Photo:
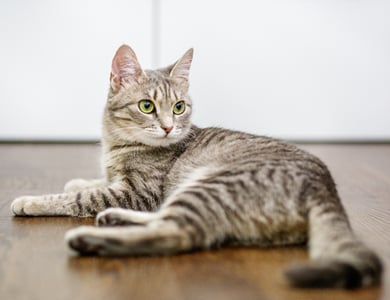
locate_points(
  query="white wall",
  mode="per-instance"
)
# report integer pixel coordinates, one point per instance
(55, 59)
(291, 69)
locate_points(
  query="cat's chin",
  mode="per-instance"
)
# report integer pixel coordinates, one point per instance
(160, 141)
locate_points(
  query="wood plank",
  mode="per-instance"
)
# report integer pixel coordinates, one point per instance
(36, 264)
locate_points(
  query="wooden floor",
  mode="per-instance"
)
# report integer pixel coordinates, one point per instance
(36, 264)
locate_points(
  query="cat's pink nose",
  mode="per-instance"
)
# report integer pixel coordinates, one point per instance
(167, 129)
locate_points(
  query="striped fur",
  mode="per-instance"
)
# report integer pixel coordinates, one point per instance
(193, 188)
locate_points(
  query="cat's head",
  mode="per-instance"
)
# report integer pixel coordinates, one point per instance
(151, 107)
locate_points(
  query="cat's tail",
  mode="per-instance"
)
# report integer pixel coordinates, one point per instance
(339, 259)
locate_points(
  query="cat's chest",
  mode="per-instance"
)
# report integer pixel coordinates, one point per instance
(140, 164)
(114, 161)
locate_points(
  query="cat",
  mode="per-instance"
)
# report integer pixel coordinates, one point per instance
(171, 187)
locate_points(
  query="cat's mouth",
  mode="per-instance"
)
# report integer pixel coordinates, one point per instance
(158, 138)
(167, 136)
(166, 133)
(161, 138)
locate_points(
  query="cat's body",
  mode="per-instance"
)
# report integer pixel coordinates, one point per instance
(186, 188)
(231, 184)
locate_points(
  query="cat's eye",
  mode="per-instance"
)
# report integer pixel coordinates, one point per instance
(146, 106)
(179, 108)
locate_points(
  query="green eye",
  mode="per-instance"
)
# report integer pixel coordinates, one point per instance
(179, 108)
(146, 106)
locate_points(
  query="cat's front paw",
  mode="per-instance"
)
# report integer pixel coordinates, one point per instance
(116, 216)
(112, 217)
(75, 185)
(25, 206)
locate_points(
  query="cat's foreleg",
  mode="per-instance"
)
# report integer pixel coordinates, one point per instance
(76, 185)
(123, 217)
(84, 203)
(88, 202)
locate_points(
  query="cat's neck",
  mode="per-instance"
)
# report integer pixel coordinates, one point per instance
(115, 150)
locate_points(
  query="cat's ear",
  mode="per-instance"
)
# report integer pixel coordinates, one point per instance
(181, 69)
(125, 68)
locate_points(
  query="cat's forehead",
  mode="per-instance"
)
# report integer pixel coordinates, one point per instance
(160, 87)
(156, 85)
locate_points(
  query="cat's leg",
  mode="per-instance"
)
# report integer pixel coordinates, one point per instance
(84, 203)
(155, 236)
(182, 224)
(203, 212)
(339, 258)
(76, 185)
(123, 217)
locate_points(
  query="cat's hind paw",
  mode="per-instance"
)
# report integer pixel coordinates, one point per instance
(89, 240)
(84, 241)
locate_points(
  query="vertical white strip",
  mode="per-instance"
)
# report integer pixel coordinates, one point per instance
(156, 43)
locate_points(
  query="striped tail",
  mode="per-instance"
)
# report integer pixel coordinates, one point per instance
(339, 259)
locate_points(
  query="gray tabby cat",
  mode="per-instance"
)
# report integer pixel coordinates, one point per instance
(173, 187)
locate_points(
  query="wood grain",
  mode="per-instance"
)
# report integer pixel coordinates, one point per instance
(36, 264)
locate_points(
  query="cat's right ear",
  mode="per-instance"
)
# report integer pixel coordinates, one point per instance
(181, 69)
(125, 68)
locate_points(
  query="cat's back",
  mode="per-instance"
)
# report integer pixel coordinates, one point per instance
(230, 155)
(214, 144)
(223, 149)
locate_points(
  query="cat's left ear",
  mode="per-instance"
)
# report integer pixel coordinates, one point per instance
(125, 68)
(181, 69)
